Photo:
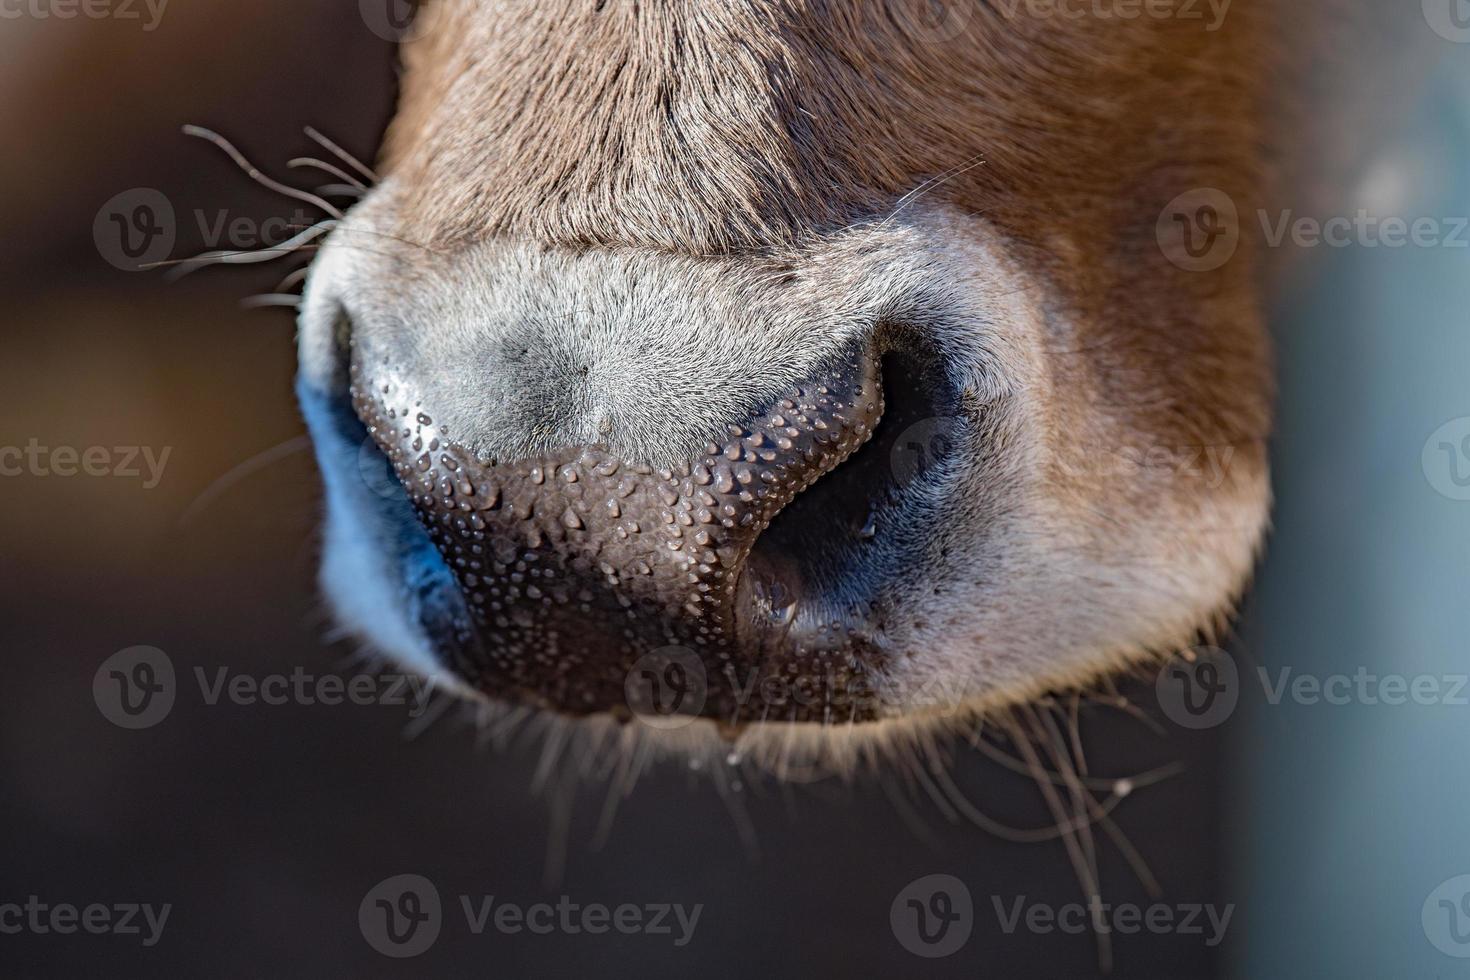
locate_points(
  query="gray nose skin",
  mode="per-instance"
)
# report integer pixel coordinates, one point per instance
(578, 566)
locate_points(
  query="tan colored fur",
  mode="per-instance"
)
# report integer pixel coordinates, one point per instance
(715, 126)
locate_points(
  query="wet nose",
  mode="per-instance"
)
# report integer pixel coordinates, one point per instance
(578, 565)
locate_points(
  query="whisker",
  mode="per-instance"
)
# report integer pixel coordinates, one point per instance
(423, 722)
(559, 833)
(255, 174)
(1080, 865)
(927, 186)
(262, 301)
(1135, 860)
(729, 793)
(339, 190)
(1050, 739)
(330, 168)
(1074, 728)
(1100, 783)
(907, 813)
(551, 749)
(244, 256)
(342, 154)
(616, 790)
(252, 465)
(292, 280)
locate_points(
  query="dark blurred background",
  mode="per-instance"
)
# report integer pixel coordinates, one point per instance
(264, 827)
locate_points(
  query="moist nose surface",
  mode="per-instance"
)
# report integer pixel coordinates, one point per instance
(577, 564)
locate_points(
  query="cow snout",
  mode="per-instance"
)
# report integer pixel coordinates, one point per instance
(583, 569)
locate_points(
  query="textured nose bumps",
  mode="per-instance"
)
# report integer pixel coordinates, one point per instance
(577, 564)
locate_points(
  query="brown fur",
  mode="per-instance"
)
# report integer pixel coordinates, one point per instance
(716, 126)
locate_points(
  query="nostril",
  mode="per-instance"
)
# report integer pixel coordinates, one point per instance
(822, 559)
